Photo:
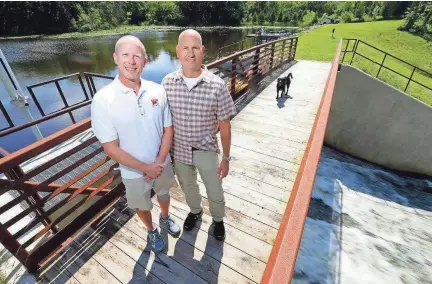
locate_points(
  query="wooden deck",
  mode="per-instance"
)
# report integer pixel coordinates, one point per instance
(268, 141)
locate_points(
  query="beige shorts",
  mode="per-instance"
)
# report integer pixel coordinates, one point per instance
(138, 191)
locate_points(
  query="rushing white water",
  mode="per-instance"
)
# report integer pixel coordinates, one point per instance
(366, 224)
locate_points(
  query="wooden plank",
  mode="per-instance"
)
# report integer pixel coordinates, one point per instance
(243, 147)
(138, 250)
(277, 144)
(277, 180)
(267, 102)
(280, 123)
(269, 133)
(264, 169)
(270, 160)
(233, 218)
(120, 265)
(12, 271)
(256, 212)
(251, 196)
(56, 271)
(294, 117)
(197, 255)
(275, 192)
(235, 237)
(77, 261)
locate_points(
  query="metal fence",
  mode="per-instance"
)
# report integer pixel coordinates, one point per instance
(356, 48)
(60, 92)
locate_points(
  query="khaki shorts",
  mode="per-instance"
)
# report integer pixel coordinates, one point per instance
(138, 191)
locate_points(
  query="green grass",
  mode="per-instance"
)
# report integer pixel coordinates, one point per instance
(319, 45)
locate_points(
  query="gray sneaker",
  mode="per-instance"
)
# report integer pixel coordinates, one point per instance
(155, 240)
(170, 225)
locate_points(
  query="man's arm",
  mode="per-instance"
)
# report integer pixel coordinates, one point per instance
(113, 150)
(165, 145)
(225, 133)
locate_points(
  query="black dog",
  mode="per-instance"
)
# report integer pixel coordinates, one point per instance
(282, 83)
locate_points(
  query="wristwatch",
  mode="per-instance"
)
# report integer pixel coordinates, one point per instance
(226, 158)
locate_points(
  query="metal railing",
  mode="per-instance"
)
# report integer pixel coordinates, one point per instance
(60, 92)
(281, 264)
(354, 51)
(246, 67)
(242, 44)
(50, 229)
(90, 82)
(7, 117)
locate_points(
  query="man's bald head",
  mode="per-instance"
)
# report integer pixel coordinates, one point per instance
(190, 32)
(130, 39)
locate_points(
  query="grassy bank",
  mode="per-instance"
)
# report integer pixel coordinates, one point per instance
(318, 44)
(132, 29)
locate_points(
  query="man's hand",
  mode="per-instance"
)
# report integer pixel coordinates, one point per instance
(152, 171)
(223, 169)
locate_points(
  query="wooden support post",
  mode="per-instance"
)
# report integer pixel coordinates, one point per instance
(233, 74)
(272, 55)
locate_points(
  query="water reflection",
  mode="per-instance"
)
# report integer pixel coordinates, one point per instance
(37, 60)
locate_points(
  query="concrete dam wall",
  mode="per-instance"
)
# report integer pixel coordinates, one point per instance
(376, 122)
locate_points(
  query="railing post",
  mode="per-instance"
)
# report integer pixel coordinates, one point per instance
(12, 245)
(242, 42)
(39, 107)
(382, 63)
(272, 55)
(346, 48)
(82, 86)
(233, 74)
(283, 51)
(412, 74)
(89, 85)
(294, 49)
(64, 100)
(93, 85)
(290, 49)
(256, 61)
(41, 212)
(354, 50)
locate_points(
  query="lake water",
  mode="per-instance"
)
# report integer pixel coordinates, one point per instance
(38, 60)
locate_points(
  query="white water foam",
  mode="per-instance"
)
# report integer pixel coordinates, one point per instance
(365, 225)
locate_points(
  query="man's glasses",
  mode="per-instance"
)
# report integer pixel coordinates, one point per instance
(140, 106)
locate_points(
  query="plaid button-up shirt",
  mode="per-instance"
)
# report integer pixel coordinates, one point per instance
(195, 113)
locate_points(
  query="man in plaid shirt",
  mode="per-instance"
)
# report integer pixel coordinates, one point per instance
(200, 104)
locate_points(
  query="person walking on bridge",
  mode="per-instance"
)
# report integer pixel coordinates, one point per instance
(132, 120)
(200, 104)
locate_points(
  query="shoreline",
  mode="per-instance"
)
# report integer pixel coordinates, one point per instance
(133, 29)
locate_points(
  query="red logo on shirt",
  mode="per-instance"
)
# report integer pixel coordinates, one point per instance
(155, 101)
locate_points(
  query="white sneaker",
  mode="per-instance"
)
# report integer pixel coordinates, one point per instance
(170, 225)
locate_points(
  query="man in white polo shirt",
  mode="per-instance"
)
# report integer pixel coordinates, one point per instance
(132, 120)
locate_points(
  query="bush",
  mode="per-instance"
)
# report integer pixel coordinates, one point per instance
(347, 17)
(309, 19)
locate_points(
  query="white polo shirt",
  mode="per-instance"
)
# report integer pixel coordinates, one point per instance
(116, 114)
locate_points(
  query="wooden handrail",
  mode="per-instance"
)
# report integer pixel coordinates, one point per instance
(281, 263)
(43, 145)
(240, 53)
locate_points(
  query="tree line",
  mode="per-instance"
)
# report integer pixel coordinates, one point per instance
(52, 17)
